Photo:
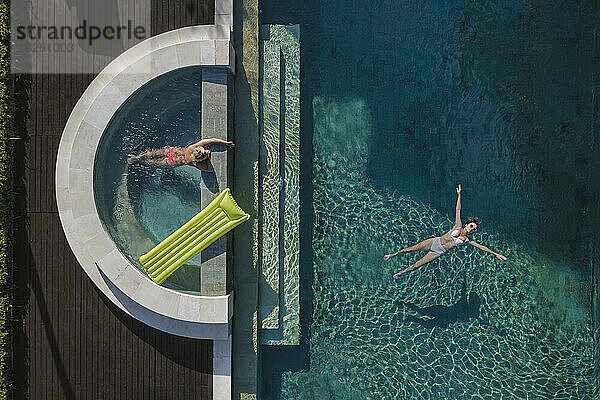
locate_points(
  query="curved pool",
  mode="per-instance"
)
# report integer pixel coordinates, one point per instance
(140, 205)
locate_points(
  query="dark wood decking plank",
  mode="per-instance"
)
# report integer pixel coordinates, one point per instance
(36, 323)
(180, 368)
(122, 360)
(50, 297)
(172, 17)
(160, 365)
(206, 379)
(139, 356)
(45, 305)
(87, 359)
(43, 171)
(68, 321)
(79, 315)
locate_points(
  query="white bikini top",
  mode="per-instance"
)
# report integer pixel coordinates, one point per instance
(455, 235)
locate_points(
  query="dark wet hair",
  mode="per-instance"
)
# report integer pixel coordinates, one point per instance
(200, 154)
(472, 219)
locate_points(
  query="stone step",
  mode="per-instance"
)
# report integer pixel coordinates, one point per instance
(279, 304)
(270, 163)
(215, 124)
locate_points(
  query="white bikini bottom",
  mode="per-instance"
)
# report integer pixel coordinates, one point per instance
(436, 246)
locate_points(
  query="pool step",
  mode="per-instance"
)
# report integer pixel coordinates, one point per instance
(216, 123)
(278, 311)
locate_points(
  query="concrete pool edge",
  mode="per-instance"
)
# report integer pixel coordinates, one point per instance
(206, 317)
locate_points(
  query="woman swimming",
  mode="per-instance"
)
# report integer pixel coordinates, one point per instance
(439, 245)
(197, 155)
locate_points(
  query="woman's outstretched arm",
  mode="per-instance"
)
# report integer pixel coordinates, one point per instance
(457, 220)
(208, 142)
(484, 248)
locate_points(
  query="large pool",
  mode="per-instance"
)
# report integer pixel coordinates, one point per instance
(404, 100)
(141, 205)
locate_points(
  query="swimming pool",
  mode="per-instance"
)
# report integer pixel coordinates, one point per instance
(404, 100)
(140, 205)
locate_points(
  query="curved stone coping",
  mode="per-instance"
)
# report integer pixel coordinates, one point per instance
(205, 45)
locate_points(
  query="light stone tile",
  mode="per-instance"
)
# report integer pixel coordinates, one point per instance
(87, 136)
(190, 308)
(82, 204)
(63, 198)
(87, 226)
(84, 147)
(221, 309)
(135, 78)
(129, 280)
(223, 6)
(106, 76)
(116, 66)
(136, 52)
(62, 172)
(224, 19)
(70, 131)
(82, 158)
(157, 298)
(143, 68)
(189, 54)
(102, 110)
(99, 246)
(207, 52)
(165, 39)
(222, 52)
(112, 264)
(207, 310)
(221, 387)
(149, 295)
(68, 223)
(128, 82)
(80, 180)
(87, 98)
(165, 59)
(204, 32)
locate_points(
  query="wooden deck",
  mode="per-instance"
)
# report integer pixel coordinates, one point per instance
(70, 342)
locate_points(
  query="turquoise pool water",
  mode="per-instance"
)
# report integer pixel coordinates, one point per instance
(404, 100)
(140, 205)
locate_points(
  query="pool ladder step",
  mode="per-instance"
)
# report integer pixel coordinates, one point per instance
(279, 163)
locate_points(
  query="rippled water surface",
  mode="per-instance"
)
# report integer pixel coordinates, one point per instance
(404, 100)
(140, 205)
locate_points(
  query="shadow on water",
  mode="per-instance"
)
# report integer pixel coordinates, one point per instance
(537, 65)
(296, 359)
(210, 178)
(441, 316)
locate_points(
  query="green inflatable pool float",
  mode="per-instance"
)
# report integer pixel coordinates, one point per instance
(219, 217)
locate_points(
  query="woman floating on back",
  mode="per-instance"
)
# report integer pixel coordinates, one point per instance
(197, 155)
(437, 246)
